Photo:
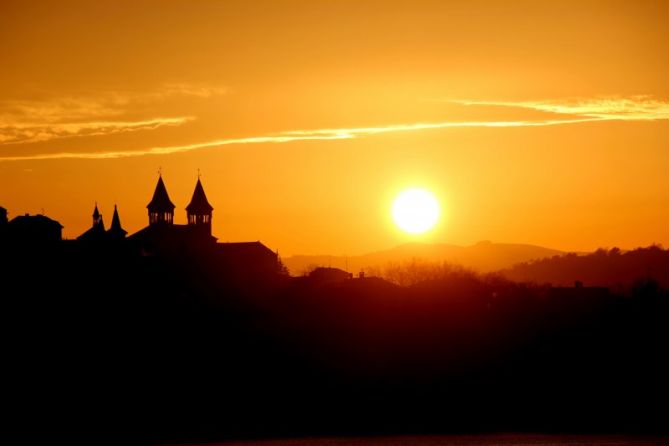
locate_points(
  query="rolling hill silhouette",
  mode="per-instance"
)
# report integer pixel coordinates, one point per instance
(483, 256)
(611, 268)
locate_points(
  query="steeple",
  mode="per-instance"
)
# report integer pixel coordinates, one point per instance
(161, 209)
(116, 231)
(97, 217)
(96, 232)
(199, 210)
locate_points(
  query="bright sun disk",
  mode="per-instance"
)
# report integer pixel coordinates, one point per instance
(415, 211)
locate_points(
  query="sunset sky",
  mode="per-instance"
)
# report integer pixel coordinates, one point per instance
(531, 122)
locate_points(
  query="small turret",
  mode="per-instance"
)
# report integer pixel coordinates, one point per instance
(97, 230)
(97, 217)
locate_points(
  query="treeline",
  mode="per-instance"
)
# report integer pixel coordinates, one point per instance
(619, 270)
(415, 271)
(106, 346)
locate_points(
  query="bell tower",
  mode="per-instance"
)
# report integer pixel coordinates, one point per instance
(199, 210)
(161, 209)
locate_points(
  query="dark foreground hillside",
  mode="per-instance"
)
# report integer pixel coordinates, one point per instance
(105, 345)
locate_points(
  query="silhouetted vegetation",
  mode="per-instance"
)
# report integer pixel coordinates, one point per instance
(106, 343)
(416, 271)
(612, 268)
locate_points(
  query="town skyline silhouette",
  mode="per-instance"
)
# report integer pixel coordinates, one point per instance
(168, 335)
(334, 223)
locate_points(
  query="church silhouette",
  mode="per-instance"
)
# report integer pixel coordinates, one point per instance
(163, 232)
(161, 229)
(161, 238)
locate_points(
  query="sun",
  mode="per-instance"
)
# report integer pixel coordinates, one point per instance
(415, 211)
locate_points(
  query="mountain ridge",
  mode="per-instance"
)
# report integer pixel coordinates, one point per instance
(484, 256)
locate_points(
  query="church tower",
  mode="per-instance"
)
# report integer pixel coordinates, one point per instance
(161, 209)
(199, 210)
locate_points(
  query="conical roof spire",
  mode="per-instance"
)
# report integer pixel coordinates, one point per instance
(161, 201)
(199, 204)
(97, 230)
(116, 230)
(97, 218)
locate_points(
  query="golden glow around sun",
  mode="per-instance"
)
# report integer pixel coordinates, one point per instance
(415, 211)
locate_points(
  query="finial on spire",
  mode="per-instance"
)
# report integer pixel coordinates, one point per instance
(198, 173)
(160, 171)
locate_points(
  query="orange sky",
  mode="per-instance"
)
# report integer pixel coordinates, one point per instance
(533, 123)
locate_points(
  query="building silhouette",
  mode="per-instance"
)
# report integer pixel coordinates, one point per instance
(192, 242)
(31, 230)
(97, 233)
(162, 234)
(324, 274)
(3, 223)
(240, 260)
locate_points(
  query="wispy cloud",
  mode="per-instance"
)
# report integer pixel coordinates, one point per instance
(166, 150)
(637, 108)
(634, 108)
(288, 136)
(199, 90)
(34, 132)
(28, 121)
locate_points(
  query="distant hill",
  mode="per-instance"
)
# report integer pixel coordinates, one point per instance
(612, 268)
(483, 256)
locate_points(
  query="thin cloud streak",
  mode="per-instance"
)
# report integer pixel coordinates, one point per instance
(35, 132)
(169, 149)
(29, 121)
(362, 131)
(636, 108)
(292, 136)
(633, 108)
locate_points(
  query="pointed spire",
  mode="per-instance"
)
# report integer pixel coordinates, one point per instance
(97, 230)
(161, 208)
(116, 221)
(199, 205)
(161, 201)
(116, 231)
(97, 218)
